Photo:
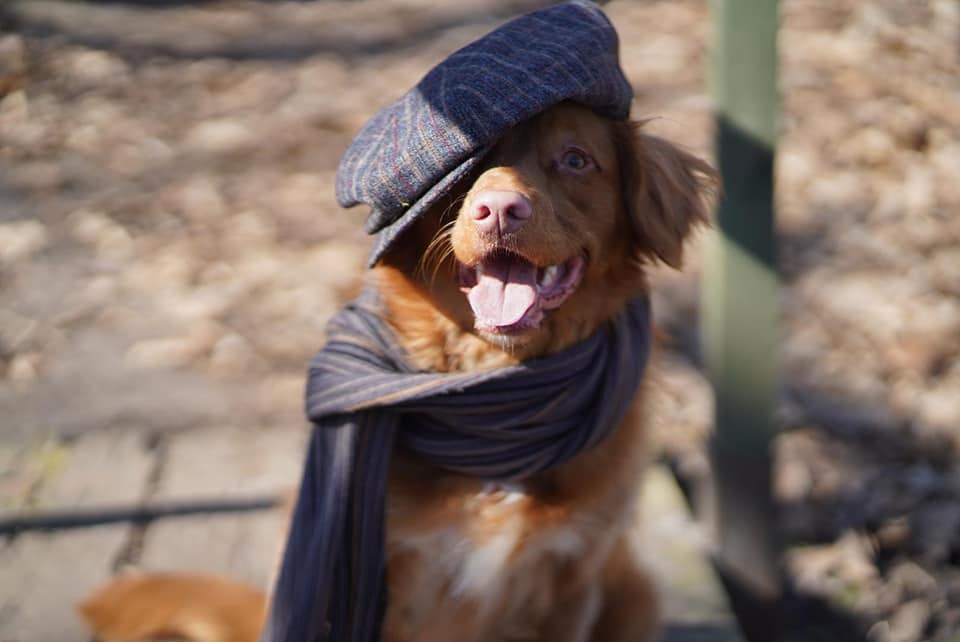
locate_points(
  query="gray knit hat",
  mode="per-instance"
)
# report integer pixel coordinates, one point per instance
(413, 151)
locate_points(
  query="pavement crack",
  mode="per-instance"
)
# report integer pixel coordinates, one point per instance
(131, 551)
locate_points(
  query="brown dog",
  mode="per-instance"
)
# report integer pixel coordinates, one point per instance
(545, 243)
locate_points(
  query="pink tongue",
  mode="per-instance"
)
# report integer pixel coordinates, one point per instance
(504, 292)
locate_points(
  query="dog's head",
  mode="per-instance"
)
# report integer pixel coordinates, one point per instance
(549, 237)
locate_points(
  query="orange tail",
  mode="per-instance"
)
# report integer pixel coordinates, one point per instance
(199, 608)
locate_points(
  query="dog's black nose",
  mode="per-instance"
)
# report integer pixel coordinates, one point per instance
(496, 213)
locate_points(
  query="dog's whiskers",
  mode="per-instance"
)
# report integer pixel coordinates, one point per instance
(437, 252)
(440, 247)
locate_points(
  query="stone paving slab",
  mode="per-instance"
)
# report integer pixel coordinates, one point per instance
(244, 547)
(674, 547)
(212, 463)
(99, 468)
(23, 468)
(222, 462)
(44, 575)
(102, 468)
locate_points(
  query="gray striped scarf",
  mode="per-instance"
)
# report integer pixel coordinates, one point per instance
(363, 397)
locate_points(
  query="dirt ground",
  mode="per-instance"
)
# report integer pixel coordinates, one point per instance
(170, 248)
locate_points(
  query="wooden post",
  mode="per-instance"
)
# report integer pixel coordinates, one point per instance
(741, 310)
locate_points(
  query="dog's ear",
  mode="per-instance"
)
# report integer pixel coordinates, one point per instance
(666, 192)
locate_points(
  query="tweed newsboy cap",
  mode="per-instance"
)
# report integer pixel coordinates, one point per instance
(411, 153)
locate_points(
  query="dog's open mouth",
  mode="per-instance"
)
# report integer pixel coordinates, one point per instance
(509, 294)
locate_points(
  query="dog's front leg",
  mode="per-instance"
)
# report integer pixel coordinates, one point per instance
(573, 619)
(630, 610)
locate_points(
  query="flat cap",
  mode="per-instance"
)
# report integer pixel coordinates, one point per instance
(409, 155)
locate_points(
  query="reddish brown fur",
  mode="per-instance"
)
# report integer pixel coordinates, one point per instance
(192, 607)
(546, 559)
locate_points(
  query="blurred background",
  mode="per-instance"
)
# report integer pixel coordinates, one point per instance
(170, 250)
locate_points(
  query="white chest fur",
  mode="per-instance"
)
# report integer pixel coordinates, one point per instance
(497, 556)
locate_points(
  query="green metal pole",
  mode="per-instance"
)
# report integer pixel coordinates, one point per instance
(741, 311)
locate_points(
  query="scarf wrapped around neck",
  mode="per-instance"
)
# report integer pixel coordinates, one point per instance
(363, 397)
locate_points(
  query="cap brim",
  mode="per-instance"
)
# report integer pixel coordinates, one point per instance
(386, 236)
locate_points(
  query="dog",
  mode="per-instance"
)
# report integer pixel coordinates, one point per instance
(517, 210)
(568, 210)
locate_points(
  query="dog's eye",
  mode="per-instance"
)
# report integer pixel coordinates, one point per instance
(575, 160)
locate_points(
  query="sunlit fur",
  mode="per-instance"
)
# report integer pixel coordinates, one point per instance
(546, 559)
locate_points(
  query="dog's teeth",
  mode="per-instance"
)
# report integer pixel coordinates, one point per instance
(549, 275)
(479, 269)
